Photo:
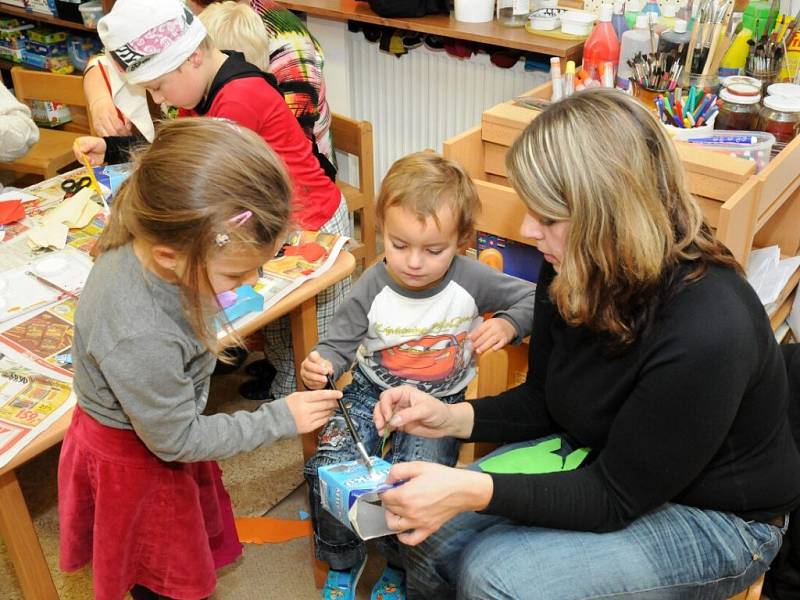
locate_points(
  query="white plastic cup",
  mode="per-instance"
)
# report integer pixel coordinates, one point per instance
(474, 11)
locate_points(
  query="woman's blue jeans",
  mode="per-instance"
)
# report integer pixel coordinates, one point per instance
(674, 552)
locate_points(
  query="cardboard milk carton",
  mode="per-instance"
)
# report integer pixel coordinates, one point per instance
(350, 494)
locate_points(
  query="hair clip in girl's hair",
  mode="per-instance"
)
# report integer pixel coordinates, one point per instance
(222, 239)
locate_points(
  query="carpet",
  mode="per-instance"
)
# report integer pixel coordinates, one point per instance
(256, 481)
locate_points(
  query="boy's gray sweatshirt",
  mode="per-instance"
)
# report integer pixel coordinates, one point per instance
(399, 336)
(139, 365)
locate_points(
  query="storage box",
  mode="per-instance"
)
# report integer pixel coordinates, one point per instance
(46, 36)
(47, 49)
(91, 13)
(350, 494)
(56, 64)
(49, 114)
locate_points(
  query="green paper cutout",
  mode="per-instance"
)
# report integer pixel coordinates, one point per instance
(534, 460)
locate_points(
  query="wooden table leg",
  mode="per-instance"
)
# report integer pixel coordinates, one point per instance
(304, 337)
(22, 543)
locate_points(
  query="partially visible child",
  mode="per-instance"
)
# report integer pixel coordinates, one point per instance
(415, 318)
(18, 132)
(235, 26)
(140, 496)
(161, 46)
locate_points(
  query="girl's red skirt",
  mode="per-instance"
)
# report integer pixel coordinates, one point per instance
(138, 519)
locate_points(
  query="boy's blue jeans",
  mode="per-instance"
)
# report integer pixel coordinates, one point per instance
(674, 552)
(336, 544)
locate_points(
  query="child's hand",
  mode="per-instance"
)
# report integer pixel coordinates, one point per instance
(93, 147)
(312, 409)
(106, 119)
(492, 335)
(314, 371)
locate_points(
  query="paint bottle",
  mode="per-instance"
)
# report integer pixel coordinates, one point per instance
(632, 8)
(671, 39)
(555, 77)
(651, 7)
(756, 13)
(667, 19)
(633, 41)
(735, 58)
(603, 44)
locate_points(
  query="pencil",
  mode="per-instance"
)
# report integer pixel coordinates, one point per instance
(362, 452)
(95, 185)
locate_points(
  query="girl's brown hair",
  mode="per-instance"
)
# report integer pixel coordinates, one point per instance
(184, 190)
(636, 236)
(423, 183)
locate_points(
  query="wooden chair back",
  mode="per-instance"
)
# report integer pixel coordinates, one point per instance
(355, 138)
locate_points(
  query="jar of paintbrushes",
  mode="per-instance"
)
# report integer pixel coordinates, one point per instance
(708, 43)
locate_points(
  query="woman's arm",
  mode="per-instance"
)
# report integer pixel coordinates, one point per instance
(17, 130)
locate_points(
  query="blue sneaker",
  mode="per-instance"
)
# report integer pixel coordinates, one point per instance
(341, 585)
(391, 585)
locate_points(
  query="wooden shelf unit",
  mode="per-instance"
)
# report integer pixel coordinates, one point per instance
(745, 209)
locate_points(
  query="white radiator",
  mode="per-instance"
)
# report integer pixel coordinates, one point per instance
(424, 97)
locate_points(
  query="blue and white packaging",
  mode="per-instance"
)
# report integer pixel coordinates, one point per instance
(350, 494)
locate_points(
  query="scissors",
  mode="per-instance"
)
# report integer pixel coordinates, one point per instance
(73, 186)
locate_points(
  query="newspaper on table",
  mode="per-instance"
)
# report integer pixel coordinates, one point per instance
(305, 255)
(30, 402)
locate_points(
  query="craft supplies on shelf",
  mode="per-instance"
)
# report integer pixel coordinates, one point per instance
(780, 117)
(750, 145)
(738, 112)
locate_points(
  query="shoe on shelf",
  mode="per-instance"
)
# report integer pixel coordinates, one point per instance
(261, 369)
(341, 585)
(390, 586)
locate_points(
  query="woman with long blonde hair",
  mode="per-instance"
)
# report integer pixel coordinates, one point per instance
(653, 377)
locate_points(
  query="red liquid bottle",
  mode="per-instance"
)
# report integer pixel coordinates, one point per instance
(603, 44)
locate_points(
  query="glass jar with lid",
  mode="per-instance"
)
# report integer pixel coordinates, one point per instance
(739, 113)
(741, 85)
(513, 13)
(780, 117)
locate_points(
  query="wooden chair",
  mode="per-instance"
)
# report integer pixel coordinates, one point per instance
(53, 151)
(355, 138)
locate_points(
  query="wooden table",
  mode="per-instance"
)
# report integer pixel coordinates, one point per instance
(16, 527)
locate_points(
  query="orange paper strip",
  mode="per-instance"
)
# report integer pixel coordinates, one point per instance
(267, 530)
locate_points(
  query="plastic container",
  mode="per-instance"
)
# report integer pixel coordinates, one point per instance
(757, 10)
(91, 12)
(787, 90)
(575, 22)
(741, 85)
(738, 113)
(632, 8)
(671, 39)
(750, 145)
(780, 117)
(651, 6)
(602, 45)
(633, 41)
(513, 13)
(474, 11)
(545, 19)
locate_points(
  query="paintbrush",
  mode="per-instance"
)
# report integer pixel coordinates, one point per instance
(362, 451)
(94, 184)
(720, 20)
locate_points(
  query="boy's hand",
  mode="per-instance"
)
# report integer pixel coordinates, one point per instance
(492, 335)
(312, 409)
(93, 147)
(314, 371)
(106, 120)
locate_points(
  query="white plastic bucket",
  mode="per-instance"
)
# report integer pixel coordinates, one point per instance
(474, 11)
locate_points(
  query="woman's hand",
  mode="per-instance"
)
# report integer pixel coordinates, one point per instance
(312, 409)
(415, 412)
(314, 371)
(92, 147)
(492, 334)
(106, 119)
(431, 495)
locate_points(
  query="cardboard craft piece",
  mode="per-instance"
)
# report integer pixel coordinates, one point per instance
(49, 236)
(268, 530)
(350, 494)
(75, 212)
(535, 459)
(247, 300)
